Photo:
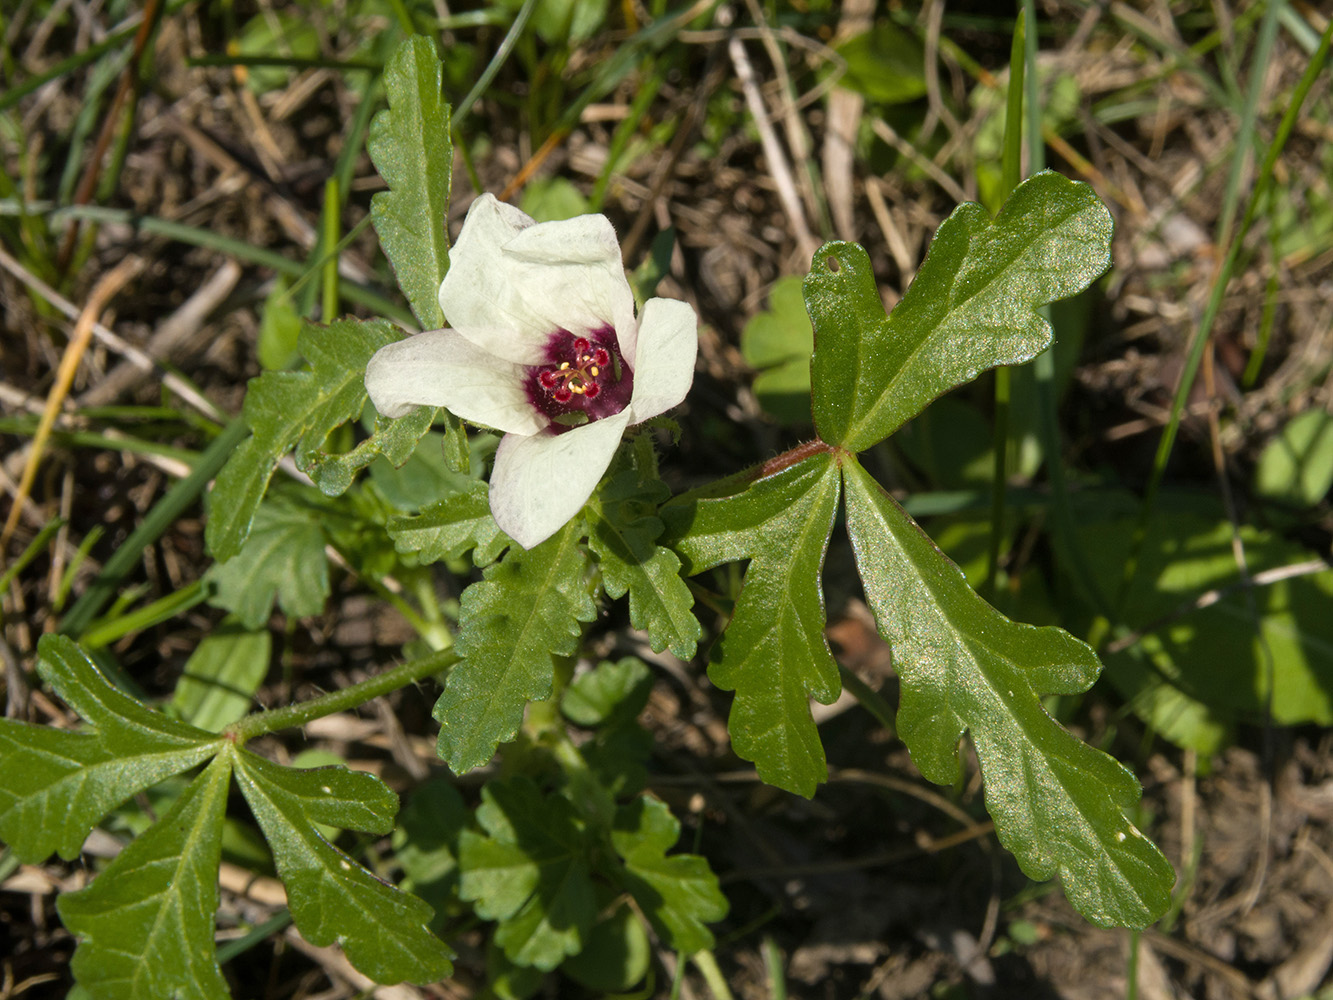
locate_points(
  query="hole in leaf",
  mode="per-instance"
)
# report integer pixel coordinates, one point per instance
(834, 264)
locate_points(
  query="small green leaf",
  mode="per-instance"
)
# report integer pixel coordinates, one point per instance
(276, 34)
(222, 675)
(885, 64)
(1297, 466)
(623, 532)
(447, 529)
(616, 954)
(282, 560)
(279, 328)
(645, 278)
(972, 306)
(146, 922)
(55, 785)
(286, 409)
(773, 653)
(566, 23)
(610, 698)
(529, 872)
(426, 843)
(526, 611)
(551, 199)
(508, 981)
(1058, 804)
(384, 932)
(678, 894)
(610, 690)
(778, 344)
(410, 146)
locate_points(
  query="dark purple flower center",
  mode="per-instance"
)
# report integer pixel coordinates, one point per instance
(584, 379)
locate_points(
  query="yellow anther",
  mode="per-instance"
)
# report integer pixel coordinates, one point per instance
(576, 387)
(593, 371)
(564, 365)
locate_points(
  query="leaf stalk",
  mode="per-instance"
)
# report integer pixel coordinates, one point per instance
(303, 713)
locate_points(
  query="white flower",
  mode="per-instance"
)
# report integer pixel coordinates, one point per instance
(543, 345)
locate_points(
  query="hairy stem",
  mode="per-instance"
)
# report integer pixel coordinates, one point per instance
(305, 712)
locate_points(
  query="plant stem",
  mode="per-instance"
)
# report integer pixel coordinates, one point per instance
(303, 713)
(332, 226)
(706, 963)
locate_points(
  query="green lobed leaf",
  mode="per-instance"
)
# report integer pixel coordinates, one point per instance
(293, 409)
(146, 922)
(678, 894)
(126, 726)
(283, 560)
(972, 306)
(427, 476)
(511, 625)
(773, 653)
(55, 786)
(410, 146)
(222, 675)
(447, 529)
(395, 440)
(623, 530)
(384, 932)
(338, 354)
(529, 872)
(1058, 804)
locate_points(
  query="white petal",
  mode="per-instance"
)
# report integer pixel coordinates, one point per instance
(668, 345)
(512, 282)
(540, 482)
(441, 368)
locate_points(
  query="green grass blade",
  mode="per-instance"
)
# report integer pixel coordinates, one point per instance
(1043, 368)
(501, 54)
(1202, 334)
(358, 294)
(67, 65)
(1249, 112)
(173, 503)
(103, 633)
(31, 552)
(1010, 170)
